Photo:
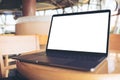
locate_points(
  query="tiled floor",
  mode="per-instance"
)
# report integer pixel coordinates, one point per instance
(10, 78)
(14, 75)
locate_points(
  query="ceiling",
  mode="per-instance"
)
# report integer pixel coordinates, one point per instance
(16, 5)
(10, 4)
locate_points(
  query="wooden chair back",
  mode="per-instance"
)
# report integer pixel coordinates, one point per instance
(114, 43)
(10, 45)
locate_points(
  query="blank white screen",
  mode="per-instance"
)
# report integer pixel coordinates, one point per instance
(85, 32)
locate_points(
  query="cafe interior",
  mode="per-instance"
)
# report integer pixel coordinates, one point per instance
(24, 28)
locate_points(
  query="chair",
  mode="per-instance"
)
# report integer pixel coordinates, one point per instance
(43, 41)
(114, 45)
(14, 45)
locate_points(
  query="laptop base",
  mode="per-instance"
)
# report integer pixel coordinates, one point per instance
(68, 63)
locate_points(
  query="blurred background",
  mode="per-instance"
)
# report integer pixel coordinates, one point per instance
(11, 11)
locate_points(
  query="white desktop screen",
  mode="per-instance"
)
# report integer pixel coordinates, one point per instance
(81, 32)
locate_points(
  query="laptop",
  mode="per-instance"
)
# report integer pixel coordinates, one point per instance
(76, 41)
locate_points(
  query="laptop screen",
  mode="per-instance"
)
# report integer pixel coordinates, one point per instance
(84, 31)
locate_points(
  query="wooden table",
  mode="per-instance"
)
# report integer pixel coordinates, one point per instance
(108, 70)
